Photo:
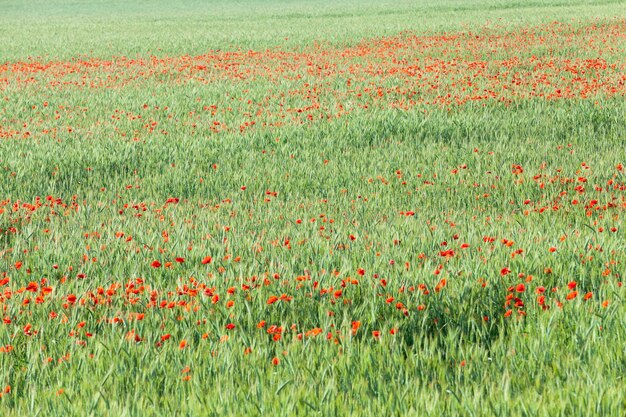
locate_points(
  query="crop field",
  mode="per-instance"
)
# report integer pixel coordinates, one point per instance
(328, 208)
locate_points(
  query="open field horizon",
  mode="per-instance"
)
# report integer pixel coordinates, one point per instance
(328, 208)
(61, 30)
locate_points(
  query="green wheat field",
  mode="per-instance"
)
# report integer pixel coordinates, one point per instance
(333, 208)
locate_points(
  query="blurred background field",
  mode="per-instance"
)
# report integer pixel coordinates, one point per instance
(65, 29)
(312, 208)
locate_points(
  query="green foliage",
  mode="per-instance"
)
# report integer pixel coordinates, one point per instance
(325, 208)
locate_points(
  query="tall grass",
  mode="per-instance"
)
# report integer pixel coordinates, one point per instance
(158, 256)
